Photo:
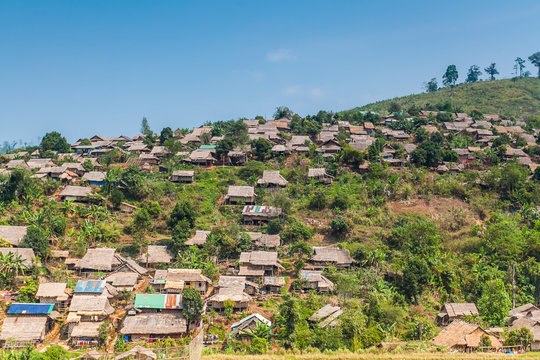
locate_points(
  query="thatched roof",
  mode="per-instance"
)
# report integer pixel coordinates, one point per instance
(154, 324)
(139, 352)
(462, 334)
(39, 163)
(198, 239)
(317, 172)
(183, 173)
(335, 255)
(26, 254)
(17, 164)
(235, 294)
(523, 309)
(265, 240)
(123, 279)
(524, 322)
(324, 312)
(272, 178)
(156, 254)
(459, 309)
(202, 155)
(249, 271)
(23, 328)
(90, 305)
(312, 276)
(13, 234)
(52, 290)
(95, 176)
(265, 258)
(241, 191)
(86, 330)
(62, 254)
(76, 191)
(231, 281)
(100, 259)
(186, 275)
(274, 280)
(279, 148)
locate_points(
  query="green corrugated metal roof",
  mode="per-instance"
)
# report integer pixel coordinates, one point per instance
(150, 301)
(208, 147)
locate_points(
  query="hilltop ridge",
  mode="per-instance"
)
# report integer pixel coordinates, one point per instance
(507, 97)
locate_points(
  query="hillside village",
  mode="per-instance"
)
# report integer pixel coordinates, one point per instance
(411, 229)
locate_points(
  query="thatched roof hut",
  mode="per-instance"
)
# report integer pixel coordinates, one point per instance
(260, 258)
(264, 241)
(320, 175)
(198, 239)
(156, 254)
(90, 305)
(123, 280)
(55, 290)
(452, 311)
(86, 330)
(13, 234)
(338, 257)
(100, 259)
(245, 194)
(316, 280)
(160, 324)
(326, 316)
(75, 192)
(272, 178)
(24, 329)
(463, 336)
(26, 254)
(95, 176)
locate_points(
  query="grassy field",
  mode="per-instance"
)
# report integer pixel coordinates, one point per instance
(424, 356)
(519, 98)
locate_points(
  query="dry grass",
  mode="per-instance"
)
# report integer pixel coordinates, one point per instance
(423, 356)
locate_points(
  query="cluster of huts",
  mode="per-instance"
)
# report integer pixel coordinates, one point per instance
(104, 276)
(460, 333)
(93, 303)
(200, 148)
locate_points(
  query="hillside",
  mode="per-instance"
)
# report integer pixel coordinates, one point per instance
(504, 97)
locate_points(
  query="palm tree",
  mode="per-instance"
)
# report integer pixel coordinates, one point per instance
(260, 330)
(67, 207)
(11, 266)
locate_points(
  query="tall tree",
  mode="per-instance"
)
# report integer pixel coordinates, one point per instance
(431, 85)
(535, 60)
(282, 111)
(519, 66)
(473, 74)
(166, 134)
(450, 76)
(54, 141)
(192, 304)
(145, 127)
(494, 303)
(491, 70)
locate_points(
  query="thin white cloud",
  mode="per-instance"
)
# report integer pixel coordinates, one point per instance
(280, 55)
(299, 90)
(316, 92)
(256, 75)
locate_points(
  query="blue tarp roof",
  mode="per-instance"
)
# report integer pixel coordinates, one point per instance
(30, 309)
(90, 286)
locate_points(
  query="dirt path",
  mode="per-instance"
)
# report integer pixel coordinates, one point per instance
(116, 318)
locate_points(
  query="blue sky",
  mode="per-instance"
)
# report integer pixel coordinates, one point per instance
(97, 67)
